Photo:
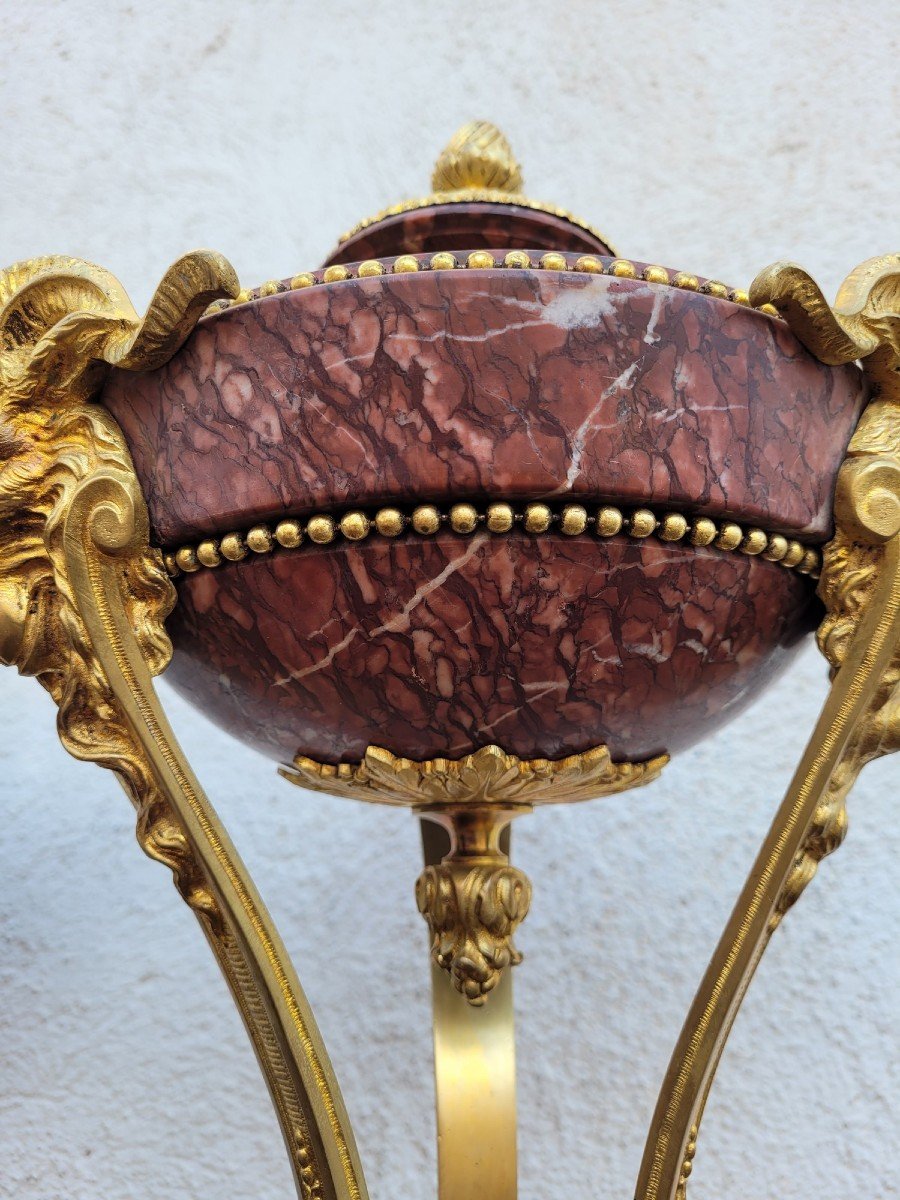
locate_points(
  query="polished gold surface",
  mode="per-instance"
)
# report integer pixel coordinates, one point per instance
(499, 517)
(208, 554)
(589, 264)
(464, 518)
(475, 1092)
(537, 518)
(65, 319)
(390, 522)
(863, 324)
(260, 540)
(320, 529)
(713, 287)
(473, 900)
(623, 269)
(405, 264)
(608, 521)
(554, 262)
(83, 598)
(517, 259)
(643, 523)
(425, 520)
(573, 519)
(443, 261)
(730, 536)
(233, 547)
(289, 534)
(472, 909)
(860, 636)
(475, 1075)
(477, 156)
(480, 260)
(674, 526)
(489, 777)
(354, 525)
(62, 323)
(703, 532)
(754, 542)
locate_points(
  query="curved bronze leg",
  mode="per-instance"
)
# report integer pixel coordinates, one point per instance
(807, 826)
(177, 825)
(860, 636)
(82, 604)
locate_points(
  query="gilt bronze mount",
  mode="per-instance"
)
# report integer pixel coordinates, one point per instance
(475, 517)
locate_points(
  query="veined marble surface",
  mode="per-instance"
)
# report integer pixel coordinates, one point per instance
(447, 385)
(546, 645)
(717, 137)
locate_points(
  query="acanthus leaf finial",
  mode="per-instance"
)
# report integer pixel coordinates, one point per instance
(477, 156)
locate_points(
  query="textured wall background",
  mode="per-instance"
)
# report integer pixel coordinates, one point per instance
(714, 137)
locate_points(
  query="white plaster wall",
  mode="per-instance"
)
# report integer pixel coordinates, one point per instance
(715, 137)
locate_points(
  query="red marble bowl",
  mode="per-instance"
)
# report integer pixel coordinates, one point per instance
(486, 385)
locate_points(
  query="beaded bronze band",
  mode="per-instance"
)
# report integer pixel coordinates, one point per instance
(425, 520)
(518, 260)
(476, 196)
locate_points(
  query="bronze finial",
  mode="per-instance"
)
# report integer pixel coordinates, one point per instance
(477, 156)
